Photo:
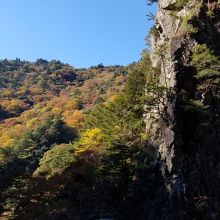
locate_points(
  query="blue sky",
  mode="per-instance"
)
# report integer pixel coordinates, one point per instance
(79, 32)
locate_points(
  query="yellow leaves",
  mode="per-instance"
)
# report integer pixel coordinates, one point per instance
(91, 147)
(112, 98)
(6, 141)
(94, 86)
(63, 106)
(91, 139)
(13, 105)
(31, 123)
(8, 135)
(66, 107)
(45, 109)
(56, 111)
(7, 92)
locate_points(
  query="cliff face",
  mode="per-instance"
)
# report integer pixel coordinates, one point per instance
(186, 129)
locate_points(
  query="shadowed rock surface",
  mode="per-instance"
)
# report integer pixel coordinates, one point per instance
(187, 136)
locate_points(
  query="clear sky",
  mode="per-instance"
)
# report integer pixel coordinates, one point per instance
(79, 32)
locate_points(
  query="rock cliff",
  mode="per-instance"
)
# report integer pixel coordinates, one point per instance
(186, 129)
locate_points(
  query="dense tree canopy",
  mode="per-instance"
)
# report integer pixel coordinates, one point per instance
(73, 140)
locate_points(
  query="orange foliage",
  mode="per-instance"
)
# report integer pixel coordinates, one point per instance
(75, 119)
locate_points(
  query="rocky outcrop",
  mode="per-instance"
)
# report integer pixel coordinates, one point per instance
(187, 136)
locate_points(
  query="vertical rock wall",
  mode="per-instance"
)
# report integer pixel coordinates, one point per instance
(187, 142)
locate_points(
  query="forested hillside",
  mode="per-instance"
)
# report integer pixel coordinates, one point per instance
(72, 140)
(129, 142)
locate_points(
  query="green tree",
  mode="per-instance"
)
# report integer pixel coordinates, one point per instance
(205, 62)
(35, 143)
(55, 160)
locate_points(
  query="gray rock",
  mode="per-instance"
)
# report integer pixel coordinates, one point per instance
(187, 144)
